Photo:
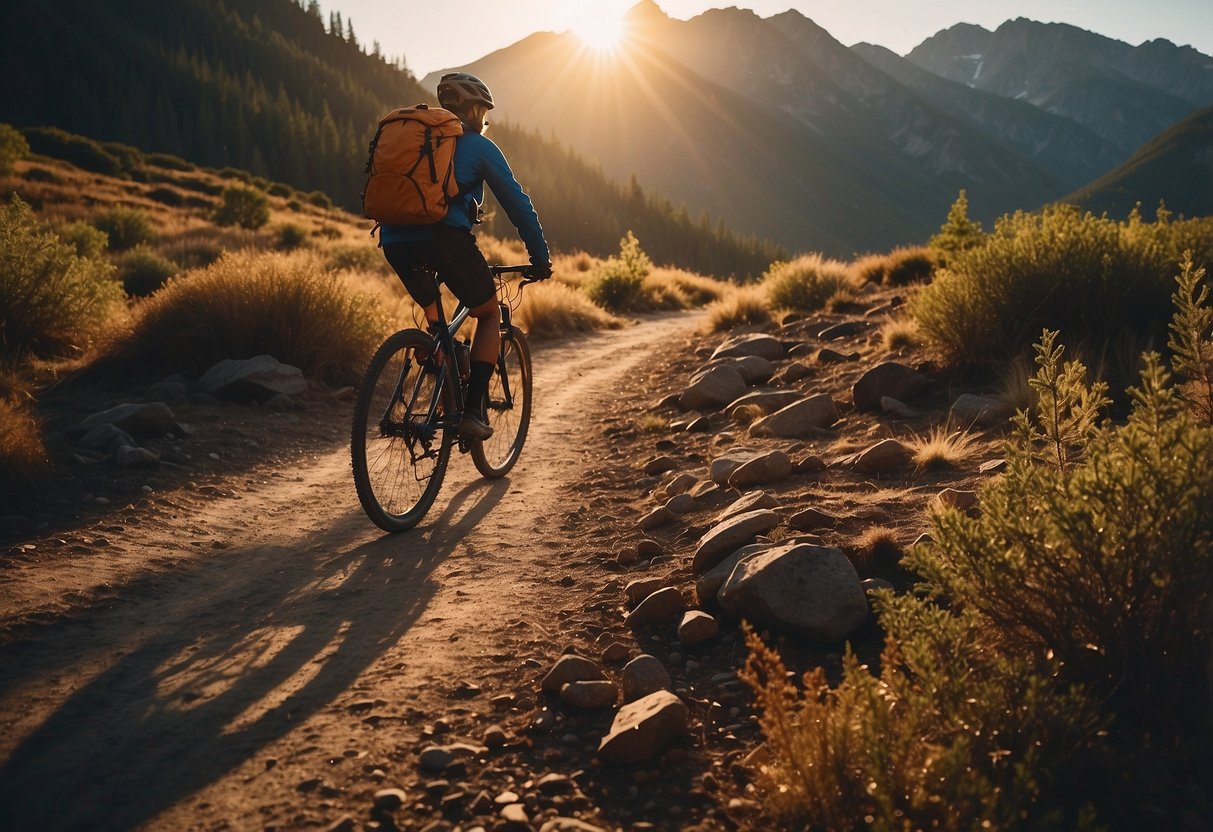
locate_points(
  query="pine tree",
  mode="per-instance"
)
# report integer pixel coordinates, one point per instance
(959, 232)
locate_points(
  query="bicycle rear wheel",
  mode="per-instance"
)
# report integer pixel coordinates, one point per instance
(507, 407)
(398, 448)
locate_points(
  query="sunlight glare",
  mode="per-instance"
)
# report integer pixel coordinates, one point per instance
(600, 25)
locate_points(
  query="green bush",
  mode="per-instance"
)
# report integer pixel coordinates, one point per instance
(291, 236)
(958, 233)
(143, 271)
(617, 283)
(87, 240)
(278, 189)
(126, 227)
(82, 152)
(51, 300)
(320, 199)
(248, 304)
(1191, 341)
(13, 146)
(1099, 281)
(909, 265)
(246, 207)
(355, 258)
(806, 283)
(237, 174)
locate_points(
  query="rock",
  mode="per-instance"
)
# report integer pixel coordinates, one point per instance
(515, 813)
(641, 588)
(774, 466)
(812, 591)
(436, 758)
(495, 736)
(869, 585)
(554, 783)
(345, 823)
(811, 519)
(794, 372)
(681, 484)
(658, 465)
(656, 519)
(898, 408)
(747, 502)
(389, 800)
(253, 379)
(615, 652)
(709, 583)
(753, 369)
(764, 346)
(587, 695)
(768, 400)
(680, 504)
(649, 549)
(569, 825)
(957, 499)
(643, 675)
(570, 668)
(977, 411)
(846, 329)
(128, 456)
(828, 356)
(141, 421)
(993, 466)
(799, 419)
(644, 727)
(731, 535)
(481, 804)
(703, 489)
(697, 627)
(885, 457)
(701, 425)
(712, 389)
(811, 464)
(105, 439)
(662, 605)
(723, 466)
(887, 379)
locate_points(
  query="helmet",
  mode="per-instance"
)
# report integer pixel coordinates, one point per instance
(459, 88)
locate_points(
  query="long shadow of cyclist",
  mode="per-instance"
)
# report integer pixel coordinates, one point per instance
(221, 674)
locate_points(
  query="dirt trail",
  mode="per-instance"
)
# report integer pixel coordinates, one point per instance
(219, 658)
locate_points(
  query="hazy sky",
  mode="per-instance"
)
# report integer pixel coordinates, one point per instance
(431, 36)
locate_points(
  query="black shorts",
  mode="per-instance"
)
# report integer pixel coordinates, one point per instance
(459, 263)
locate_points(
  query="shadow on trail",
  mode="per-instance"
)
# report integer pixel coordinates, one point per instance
(222, 673)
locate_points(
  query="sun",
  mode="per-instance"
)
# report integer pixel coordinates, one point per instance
(600, 25)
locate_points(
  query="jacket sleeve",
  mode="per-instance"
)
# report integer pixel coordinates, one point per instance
(515, 202)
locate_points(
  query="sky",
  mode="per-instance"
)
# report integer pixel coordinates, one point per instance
(430, 36)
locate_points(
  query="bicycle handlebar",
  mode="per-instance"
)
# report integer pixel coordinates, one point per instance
(523, 269)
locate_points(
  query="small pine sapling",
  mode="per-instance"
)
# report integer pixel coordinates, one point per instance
(1190, 343)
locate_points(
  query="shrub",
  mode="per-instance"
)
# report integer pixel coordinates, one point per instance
(87, 240)
(51, 299)
(909, 264)
(941, 448)
(237, 174)
(900, 333)
(125, 227)
(247, 304)
(617, 283)
(1095, 279)
(41, 175)
(82, 152)
(355, 258)
(13, 146)
(168, 161)
(278, 189)
(320, 199)
(1190, 344)
(23, 457)
(804, 284)
(958, 233)
(294, 205)
(202, 186)
(130, 159)
(167, 196)
(291, 236)
(551, 310)
(143, 271)
(245, 207)
(740, 307)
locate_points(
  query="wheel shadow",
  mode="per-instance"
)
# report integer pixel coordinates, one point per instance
(246, 648)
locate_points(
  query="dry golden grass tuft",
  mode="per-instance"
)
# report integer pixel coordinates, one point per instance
(747, 414)
(740, 307)
(808, 283)
(651, 423)
(900, 334)
(23, 457)
(877, 552)
(942, 448)
(552, 309)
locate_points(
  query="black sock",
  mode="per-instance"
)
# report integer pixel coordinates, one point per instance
(478, 386)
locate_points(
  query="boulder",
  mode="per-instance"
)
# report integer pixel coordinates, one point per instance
(641, 588)
(643, 728)
(731, 535)
(774, 466)
(141, 421)
(764, 346)
(659, 465)
(799, 419)
(680, 504)
(709, 583)
(663, 605)
(253, 379)
(128, 456)
(723, 466)
(655, 519)
(590, 694)
(680, 484)
(570, 668)
(846, 329)
(747, 502)
(643, 675)
(794, 372)
(811, 519)
(825, 355)
(890, 379)
(754, 369)
(713, 388)
(768, 400)
(898, 408)
(957, 499)
(105, 438)
(885, 457)
(977, 411)
(812, 591)
(697, 627)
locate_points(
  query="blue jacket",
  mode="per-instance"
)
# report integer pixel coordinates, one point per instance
(479, 160)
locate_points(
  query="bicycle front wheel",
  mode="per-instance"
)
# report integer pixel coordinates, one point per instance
(398, 445)
(507, 407)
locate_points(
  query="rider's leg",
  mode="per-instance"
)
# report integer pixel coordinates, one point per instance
(485, 345)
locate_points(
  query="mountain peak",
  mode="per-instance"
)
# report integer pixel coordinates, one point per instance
(646, 11)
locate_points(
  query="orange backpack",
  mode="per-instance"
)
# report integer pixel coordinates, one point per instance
(411, 166)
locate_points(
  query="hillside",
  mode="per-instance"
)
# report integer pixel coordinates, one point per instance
(1176, 167)
(263, 86)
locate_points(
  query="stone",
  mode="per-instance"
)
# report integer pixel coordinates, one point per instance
(764, 346)
(898, 408)
(794, 372)
(887, 379)
(615, 653)
(105, 439)
(712, 389)
(799, 419)
(436, 758)
(515, 813)
(643, 728)
(141, 421)
(656, 519)
(588, 695)
(825, 355)
(870, 585)
(697, 627)
(554, 783)
(570, 668)
(811, 464)
(970, 410)
(992, 466)
(774, 466)
(812, 591)
(649, 549)
(752, 501)
(701, 425)
(389, 800)
(811, 519)
(680, 504)
(482, 803)
(709, 583)
(658, 465)
(643, 675)
(345, 823)
(681, 484)
(768, 400)
(703, 489)
(569, 825)
(723, 466)
(128, 456)
(846, 329)
(495, 736)
(885, 457)
(956, 498)
(731, 535)
(253, 379)
(641, 588)
(754, 369)
(660, 606)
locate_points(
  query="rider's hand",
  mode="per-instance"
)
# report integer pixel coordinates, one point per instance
(539, 271)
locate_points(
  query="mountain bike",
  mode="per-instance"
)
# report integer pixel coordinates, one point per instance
(410, 403)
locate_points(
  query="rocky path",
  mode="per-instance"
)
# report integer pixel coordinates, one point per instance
(256, 655)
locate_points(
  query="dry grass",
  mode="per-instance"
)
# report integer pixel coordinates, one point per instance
(942, 448)
(552, 309)
(743, 306)
(900, 334)
(876, 552)
(651, 423)
(747, 414)
(807, 283)
(22, 455)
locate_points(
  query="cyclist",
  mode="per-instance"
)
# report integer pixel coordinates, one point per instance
(449, 246)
